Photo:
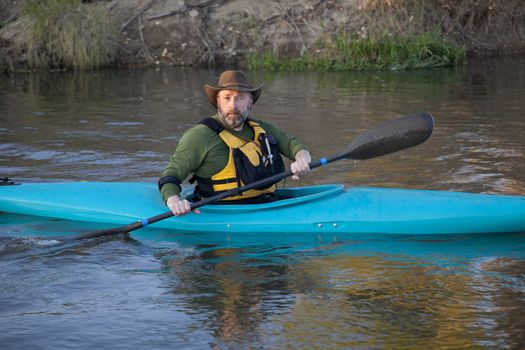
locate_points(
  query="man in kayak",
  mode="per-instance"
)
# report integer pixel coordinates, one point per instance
(229, 149)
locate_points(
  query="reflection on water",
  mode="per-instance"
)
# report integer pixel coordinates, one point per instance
(365, 300)
(158, 290)
(363, 292)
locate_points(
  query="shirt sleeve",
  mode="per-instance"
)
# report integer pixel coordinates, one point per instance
(187, 158)
(288, 145)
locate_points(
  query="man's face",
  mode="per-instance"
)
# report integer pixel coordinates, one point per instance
(234, 106)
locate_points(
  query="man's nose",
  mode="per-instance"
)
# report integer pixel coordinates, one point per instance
(235, 102)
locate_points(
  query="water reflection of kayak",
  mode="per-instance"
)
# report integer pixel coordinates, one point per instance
(322, 209)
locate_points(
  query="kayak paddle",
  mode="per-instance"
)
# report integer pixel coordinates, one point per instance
(385, 138)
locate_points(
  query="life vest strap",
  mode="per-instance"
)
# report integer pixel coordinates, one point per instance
(208, 181)
(213, 124)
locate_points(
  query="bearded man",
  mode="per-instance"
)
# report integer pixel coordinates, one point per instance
(230, 149)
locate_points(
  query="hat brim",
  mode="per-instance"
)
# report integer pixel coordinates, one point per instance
(212, 91)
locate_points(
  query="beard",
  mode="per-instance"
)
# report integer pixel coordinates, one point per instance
(233, 118)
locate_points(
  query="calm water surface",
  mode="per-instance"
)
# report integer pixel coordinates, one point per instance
(155, 290)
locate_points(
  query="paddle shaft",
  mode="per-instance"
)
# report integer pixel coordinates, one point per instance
(385, 138)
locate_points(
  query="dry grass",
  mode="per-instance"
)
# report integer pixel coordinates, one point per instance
(67, 34)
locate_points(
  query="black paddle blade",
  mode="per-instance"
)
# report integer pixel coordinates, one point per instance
(392, 136)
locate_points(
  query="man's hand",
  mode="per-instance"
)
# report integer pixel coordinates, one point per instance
(180, 206)
(301, 166)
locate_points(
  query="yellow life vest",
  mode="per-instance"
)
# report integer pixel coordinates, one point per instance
(248, 161)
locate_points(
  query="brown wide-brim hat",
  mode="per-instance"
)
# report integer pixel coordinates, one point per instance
(232, 80)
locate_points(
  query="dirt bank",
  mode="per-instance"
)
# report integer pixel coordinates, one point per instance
(224, 32)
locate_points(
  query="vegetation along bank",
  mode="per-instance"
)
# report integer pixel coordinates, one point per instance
(263, 34)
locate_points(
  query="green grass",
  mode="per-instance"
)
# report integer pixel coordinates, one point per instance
(351, 53)
(67, 34)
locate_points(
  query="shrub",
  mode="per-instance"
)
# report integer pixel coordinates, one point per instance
(67, 34)
(346, 52)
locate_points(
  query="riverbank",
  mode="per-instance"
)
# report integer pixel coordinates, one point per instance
(243, 33)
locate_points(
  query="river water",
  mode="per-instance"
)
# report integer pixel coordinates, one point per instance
(156, 291)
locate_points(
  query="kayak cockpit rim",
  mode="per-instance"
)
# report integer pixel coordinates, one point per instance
(290, 197)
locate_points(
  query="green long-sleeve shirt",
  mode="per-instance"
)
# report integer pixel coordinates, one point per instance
(202, 152)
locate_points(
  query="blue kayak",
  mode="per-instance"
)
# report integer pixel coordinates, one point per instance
(323, 209)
